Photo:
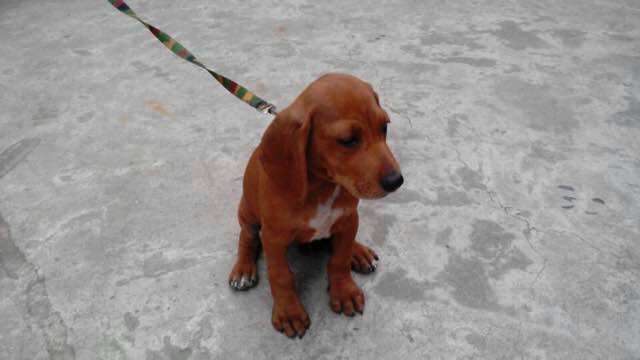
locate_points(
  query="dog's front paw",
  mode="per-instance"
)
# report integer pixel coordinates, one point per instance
(363, 259)
(345, 296)
(243, 276)
(289, 316)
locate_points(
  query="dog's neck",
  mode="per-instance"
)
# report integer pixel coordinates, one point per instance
(319, 182)
(320, 175)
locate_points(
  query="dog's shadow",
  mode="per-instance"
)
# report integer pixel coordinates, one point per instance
(309, 263)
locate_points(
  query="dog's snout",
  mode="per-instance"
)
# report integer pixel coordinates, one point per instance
(392, 181)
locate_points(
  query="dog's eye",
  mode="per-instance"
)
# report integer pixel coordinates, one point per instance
(383, 128)
(349, 142)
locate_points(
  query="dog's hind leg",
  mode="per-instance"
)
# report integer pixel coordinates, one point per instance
(244, 274)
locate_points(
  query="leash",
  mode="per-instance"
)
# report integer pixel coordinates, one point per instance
(233, 87)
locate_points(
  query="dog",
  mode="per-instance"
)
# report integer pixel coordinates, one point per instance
(316, 160)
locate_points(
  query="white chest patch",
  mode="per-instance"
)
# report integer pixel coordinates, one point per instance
(325, 216)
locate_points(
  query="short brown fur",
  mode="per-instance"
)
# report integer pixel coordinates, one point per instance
(303, 156)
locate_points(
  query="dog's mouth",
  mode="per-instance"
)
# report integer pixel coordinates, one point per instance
(375, 196)
(360, 189)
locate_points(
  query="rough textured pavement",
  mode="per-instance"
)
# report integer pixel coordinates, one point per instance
(516, 235)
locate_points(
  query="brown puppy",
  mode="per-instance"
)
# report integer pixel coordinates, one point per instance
(316, 160)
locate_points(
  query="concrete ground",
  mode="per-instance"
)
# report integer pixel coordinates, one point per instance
(516, 234)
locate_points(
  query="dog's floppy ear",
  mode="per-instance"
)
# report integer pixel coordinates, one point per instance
(284, 151)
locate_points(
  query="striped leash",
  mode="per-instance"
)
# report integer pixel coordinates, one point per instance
(233, 87)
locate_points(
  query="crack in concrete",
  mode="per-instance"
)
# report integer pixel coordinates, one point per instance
(531, 228)
(544, 266)
(406, 116)
(507, 211)
(15, 154)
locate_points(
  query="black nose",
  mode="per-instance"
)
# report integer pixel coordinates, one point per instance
(392, 181)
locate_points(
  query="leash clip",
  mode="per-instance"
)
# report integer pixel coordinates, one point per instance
(268, 109)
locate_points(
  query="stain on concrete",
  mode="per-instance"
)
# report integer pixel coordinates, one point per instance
(44, 114)
(169, 352)
(541, 151)
(493, 256)
(542, 111)
(85, 117)
(405, 196)
(204, 331)
(409, 70)
(415, 50)
(15, 154)
(470, 283)
(11, 257)
(629, 261)
(513, 69)
(396, 285)
(382, 228)
(453, 123)
(157, 265)
(155, 70)
(124, 120)
(36, 304)
(570, 38)
(194, 350)
(476, 340)
(452, 198)
(375, 38)
(455, 38)
(489, 240)
(159, 108)
(131, 321)
(261, 87)
(626, 294)
(491, 243)
(630, 117)
(49, 321)
(471, 179)
(514, 259)
(475, 62)
(281, 50)
(281, 30)
(513, 36)
(621, 37)
(443, 236)
(81, 52)
(111, 350)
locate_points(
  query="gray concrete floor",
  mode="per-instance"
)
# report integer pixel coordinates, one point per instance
(517, 234)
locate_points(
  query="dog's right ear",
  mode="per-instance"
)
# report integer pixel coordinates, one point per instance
(284, 151)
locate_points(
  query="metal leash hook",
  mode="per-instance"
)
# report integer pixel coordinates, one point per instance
(268, 109)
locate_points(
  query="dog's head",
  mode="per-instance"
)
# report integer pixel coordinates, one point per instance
(335, 130)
